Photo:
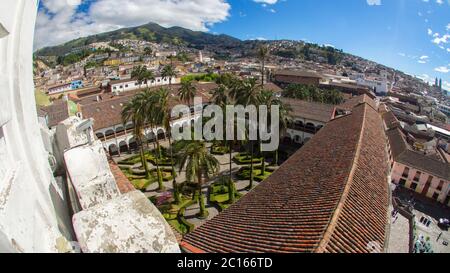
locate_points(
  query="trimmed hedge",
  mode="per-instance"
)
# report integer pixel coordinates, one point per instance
(245, 159)
(219, 150)
(244, 173)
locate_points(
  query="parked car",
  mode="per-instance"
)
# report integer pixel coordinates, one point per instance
(444, 223)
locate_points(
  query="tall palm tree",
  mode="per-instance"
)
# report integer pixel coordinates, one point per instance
(163, 117)
(134, 111)
(149, 102)
(263, 54)
(168, 72)
(220, 97)
(268, 99)
(248, 93)
(187, 92)
(148, 76)
(139, 72)
(199, 165)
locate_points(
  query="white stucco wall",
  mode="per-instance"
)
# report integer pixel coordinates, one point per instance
(32, 205)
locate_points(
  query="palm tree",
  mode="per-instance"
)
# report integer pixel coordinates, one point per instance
(148, 76)
(248, 93)
(263, 53)
(220, 97)
(199, 164)
(168, 72)
(187, 92)
(139, 72)
(134, 111)
(149, 101)
(163, 118)
(268, 99)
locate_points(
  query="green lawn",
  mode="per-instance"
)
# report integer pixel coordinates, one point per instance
(41, 98)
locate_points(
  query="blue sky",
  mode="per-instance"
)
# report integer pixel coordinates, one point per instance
(411, 35)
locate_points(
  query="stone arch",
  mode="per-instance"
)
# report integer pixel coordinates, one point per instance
(113, 150)
(161, 133)
(299, 124)
(120, 129)
(150, 136)
(109, 132)
(123, 147)
(310, 126)
(100, 135)
(129, 126)
(132, 144)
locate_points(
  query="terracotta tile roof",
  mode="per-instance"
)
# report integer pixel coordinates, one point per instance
(122, 181)
(310, 110)
(298, 73)
(107, 112)
(331, 196)
(56, 112)
(390, 120)
(403, 154)
(354, 101)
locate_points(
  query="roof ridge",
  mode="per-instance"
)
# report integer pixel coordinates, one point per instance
(340, 205)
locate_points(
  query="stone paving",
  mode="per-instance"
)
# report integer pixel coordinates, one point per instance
(433, 211)
(399, 234)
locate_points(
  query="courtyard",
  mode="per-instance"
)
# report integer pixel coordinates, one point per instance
(184, 215)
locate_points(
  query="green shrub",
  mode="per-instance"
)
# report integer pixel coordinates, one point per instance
(244, 173)
(219, 150)
(245, 159)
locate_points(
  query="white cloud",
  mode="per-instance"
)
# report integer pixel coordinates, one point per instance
(267, 2)
(442, 69)
(374, 2)
(59, 20)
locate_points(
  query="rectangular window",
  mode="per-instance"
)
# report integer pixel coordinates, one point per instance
(417, 176)
(435, 196)
(402, 182)
(441, 185)
(406, 172)
(414, 186)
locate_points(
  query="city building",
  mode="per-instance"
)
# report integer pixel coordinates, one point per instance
(416, 171)
(307, 118)
(286, 77)
(331, 196)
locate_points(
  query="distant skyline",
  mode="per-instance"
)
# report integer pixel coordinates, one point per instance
(410, 35)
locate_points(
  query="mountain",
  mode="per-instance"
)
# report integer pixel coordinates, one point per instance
(150, 32)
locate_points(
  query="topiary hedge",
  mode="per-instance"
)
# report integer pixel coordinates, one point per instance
(244, 173)
(219, 150)
(245, 159)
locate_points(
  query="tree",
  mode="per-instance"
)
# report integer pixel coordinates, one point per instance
(168, 72)
(149, 101)
(148, 51)
(248, 93)
(220, 97)
(139, 73)
(148, 76)
(187, 92)
(199, 164)
(134, 111)
(163, 118)
(263, 54)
